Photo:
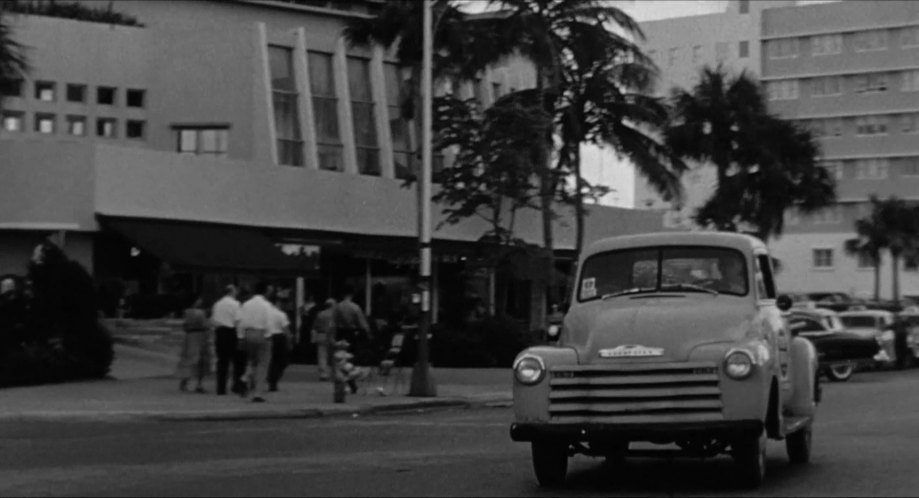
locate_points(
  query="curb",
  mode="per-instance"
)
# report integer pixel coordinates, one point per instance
(236, 415)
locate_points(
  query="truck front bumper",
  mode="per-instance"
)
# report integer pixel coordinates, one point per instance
(562, 432)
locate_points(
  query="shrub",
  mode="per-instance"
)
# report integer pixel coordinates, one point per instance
(63, 337)
(491, 342)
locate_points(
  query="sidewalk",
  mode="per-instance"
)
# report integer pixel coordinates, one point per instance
(143, 387)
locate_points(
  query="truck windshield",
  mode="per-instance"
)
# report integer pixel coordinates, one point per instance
(713, 270)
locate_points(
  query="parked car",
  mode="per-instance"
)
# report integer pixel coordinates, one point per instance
(876, 324)
(836, 301)
(910, 315)
(839, 352)
(675, 339)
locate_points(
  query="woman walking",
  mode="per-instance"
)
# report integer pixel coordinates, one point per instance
(195, 361)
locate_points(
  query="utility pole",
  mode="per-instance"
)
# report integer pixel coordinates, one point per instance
(422, 380)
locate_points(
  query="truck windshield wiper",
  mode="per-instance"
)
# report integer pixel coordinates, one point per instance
(633, 290)
(690, 287)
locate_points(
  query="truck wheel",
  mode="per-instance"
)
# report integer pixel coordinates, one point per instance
(798, 445)
(750, 454)
(839, 373)
(550, 462)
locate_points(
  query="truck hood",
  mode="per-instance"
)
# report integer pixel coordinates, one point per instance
(675, 324)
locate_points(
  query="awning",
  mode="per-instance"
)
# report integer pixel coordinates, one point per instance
(216, 247)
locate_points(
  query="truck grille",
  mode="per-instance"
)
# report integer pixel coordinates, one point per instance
(635, 393)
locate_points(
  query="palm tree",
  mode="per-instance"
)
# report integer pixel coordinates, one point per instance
(898, 219)
(13, 62)
(764, 165)
(870, 241)
(605, 103)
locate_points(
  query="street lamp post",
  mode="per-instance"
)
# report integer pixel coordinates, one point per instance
(422, 380)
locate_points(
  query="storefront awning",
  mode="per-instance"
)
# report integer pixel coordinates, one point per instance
(216, 247)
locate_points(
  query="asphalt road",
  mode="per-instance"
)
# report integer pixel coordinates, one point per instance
(866, 444)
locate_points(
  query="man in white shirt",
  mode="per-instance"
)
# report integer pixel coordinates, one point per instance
(254, 327)
(279, 337)
(225, 317)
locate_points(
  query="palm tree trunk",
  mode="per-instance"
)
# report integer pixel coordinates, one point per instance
(877, 279)
(895, 280)
(580, 212)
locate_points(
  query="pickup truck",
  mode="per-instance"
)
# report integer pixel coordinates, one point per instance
(672, 340)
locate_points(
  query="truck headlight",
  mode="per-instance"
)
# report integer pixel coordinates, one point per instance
(529, 370)
(738, 365)
(554, 330)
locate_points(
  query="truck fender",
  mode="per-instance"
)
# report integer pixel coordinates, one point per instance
(803, 359)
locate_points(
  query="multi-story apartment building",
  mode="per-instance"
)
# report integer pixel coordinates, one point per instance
(849, 71)
(230, 140)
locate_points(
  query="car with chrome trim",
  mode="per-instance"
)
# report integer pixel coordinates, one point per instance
(876, 324)
(675, 339)
(840, 353)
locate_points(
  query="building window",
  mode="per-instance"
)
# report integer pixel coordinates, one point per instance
(833, 169)
(325, 111)
(909, 37)
(105, 127)
(826, 45)
(783, 90)
(496, 91)
(823, 259)
(11, 88)
(106, 95)
(12, 121)
(864, 261)
(202, 140)
(135, 128)
(909, 166)
(696, 54)
(826, 86)
(825, 128)
(135, 97)
(363, 118)
(871, 125)
(744, 6)
(871, 83)
(786, 48)
(909, 123)
(399, 129)
(828, 216)
(44, 91)
(76, 126)
(871, 169)
(672, 56)
(76, 93)
(743, 50)
(286, 113)
(44, 123)
(909, 81)
(868, 41)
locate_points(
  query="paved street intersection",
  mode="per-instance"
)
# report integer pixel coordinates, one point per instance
(865, 445)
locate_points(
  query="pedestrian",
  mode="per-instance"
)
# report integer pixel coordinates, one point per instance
(307, 314)
(351, 325)
(322, 334)
(195, 360)
(253, 329)
(225, 317)
(279, 337)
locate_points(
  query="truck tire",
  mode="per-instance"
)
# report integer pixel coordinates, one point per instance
(798, 445)
(749, 452)
(550, 462)
(840, 373)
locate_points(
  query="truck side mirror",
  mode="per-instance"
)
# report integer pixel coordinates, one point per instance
(783, 302)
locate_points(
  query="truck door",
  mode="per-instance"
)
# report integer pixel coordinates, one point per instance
(779, 332)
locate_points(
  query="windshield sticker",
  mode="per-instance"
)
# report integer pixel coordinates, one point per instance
(588, 288)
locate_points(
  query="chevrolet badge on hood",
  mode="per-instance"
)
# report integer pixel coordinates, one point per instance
(630, 351)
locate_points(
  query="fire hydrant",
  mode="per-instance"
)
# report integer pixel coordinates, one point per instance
(343, 371)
